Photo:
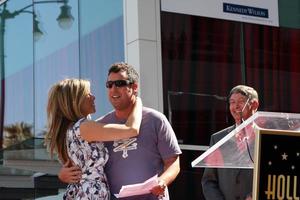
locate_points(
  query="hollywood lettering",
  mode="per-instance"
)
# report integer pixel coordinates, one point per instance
(282, 187)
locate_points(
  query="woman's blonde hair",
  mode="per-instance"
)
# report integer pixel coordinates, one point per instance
(63, 110)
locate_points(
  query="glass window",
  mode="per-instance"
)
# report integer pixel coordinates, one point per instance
(46, 41)
(56, 52)
(101, 44)
(17, 70)
(42, 42)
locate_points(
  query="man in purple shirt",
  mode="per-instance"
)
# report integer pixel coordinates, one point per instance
(134, 160)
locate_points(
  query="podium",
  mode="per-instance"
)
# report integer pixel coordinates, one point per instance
(268, 143)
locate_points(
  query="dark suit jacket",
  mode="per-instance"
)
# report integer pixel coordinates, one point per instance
(227, 184)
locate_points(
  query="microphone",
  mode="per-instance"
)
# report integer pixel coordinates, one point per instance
(245, 136)
(241, 112)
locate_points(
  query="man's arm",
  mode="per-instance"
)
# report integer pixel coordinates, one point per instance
(69, 173)
(171, 170)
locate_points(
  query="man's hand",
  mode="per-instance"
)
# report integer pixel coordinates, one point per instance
(171, 170)
(159, 190)
(69, 173)
(249, 197)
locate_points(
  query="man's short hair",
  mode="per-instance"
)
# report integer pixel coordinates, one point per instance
(244, 90)
(132, 74)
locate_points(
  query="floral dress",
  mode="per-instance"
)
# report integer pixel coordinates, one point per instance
(91, 158)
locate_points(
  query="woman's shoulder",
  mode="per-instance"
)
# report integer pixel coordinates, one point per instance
(77, 124)
(75, 129)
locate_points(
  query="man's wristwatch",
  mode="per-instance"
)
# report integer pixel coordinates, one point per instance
(162, 184)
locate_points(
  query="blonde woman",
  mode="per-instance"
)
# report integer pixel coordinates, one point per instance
(72, 136)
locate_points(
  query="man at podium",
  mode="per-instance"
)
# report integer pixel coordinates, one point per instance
(232, 184)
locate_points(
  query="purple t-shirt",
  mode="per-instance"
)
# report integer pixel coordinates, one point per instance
(137, 159)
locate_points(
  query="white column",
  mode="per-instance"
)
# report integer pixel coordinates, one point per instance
(143, 48)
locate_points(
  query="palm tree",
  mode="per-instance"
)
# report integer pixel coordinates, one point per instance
(16, 133)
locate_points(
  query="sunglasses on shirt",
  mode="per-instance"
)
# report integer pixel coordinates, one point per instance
(118, 83)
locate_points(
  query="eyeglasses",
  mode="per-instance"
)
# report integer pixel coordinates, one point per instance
(118, 83)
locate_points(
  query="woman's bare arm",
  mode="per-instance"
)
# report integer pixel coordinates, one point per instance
(94, 131)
